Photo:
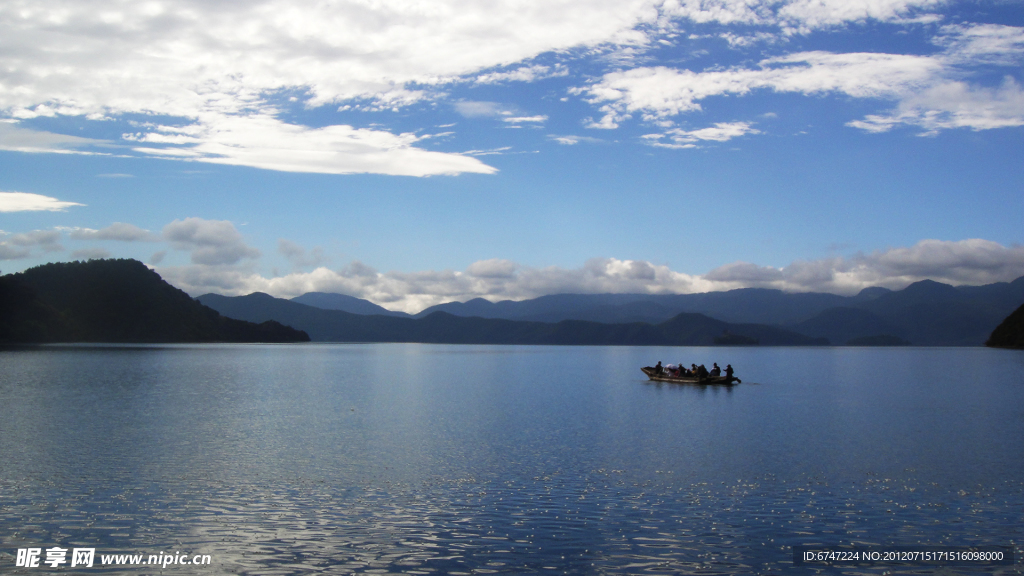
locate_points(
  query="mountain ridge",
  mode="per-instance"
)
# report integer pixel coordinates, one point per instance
(115, 301)
(345, 303)
(924, 313)
(442, 327)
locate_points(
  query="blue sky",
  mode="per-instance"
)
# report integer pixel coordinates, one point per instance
(414, 153)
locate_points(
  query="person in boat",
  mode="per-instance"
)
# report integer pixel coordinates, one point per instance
(715, 371)
(728, 372)
(693, 370)
(682, 370)
(658, 369)
(702, 372)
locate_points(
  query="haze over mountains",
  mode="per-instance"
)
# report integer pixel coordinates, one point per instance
(925, 313)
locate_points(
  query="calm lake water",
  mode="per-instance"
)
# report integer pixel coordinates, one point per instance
(432, 459)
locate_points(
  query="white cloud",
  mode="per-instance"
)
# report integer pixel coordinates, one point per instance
(982, 43)
(221, 66)
(9, 252)
(210, 242)
(930, 91)
(17, 139)
(948, 102)
(969, 262)
(491, 152)
(298, 256)
(954, 105)
(494, 279)
(116, 231)
(720, 132)
(262, 141)
(28, 202)
(90, 254)
(811, 14)
(572, 139)
(660, 92)
(521, 119)
(795, 16)
(522, 74)
(609, 121)
(35, 238)
(478, 109)
(974, 261)
(493, 268)
(18, 246)
(743, 41)
(744, 273)
(192, 57)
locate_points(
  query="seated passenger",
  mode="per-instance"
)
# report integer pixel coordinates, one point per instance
(716, 371)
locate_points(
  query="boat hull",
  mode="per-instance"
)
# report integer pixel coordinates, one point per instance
(709, 381)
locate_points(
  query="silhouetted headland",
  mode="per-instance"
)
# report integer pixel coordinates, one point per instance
(119, 301)
(1009, 334)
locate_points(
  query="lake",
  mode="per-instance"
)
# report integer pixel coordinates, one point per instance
(436, 459)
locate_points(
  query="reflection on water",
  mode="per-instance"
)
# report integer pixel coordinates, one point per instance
(292, 459)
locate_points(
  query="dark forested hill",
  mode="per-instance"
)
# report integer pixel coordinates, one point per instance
(115, 301)
(26, 318)
(441, 327)
(1010, 333)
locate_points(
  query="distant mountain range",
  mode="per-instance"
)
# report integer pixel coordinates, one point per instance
(925, 313)
(115, 301)
(442, 327)
(330, 301)
(746, 305)
(124, 301)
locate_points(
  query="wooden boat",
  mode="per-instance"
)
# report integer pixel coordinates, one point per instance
(710, 380)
